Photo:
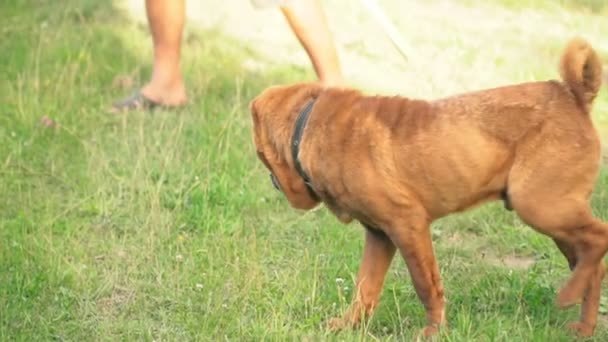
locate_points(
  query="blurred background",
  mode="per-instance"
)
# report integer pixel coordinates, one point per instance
(453, 46)
(449, 40)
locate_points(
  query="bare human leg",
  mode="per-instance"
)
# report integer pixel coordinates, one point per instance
(166, 19)
(166, 87)
(309, 24)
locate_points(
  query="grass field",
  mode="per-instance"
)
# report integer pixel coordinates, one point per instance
(163, 226)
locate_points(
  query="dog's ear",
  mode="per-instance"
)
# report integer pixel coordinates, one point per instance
(293, 187)
(272, 115)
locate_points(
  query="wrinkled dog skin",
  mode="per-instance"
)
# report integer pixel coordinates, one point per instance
(396, 164)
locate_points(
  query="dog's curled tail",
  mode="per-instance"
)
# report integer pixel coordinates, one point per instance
(581, 70)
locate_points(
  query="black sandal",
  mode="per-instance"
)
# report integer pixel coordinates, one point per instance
(137, 101)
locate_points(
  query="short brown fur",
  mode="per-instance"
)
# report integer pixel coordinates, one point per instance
(396, 164)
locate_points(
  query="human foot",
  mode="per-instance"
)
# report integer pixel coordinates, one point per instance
(149, 98)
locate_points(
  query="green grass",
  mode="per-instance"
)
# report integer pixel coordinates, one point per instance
(163, 225)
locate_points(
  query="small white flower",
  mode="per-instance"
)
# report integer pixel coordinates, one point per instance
(339, 281)
(179, 257)
(198, 286)
(346, 288)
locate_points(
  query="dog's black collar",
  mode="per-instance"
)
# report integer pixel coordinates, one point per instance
(296, 138)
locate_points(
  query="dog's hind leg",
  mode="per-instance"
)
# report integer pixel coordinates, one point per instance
(591, 300)
(377, 256)
(569, 221)
(549, 188)
(581, 237)
(591, 246)
(568, 251)
(590, 306)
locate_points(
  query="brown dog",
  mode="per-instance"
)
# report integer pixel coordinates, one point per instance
(396, 164)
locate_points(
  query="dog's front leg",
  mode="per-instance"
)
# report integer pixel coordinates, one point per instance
(377, 256)
(413, 238)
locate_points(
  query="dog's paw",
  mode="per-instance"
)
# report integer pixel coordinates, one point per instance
(582, 329)
(428, 333)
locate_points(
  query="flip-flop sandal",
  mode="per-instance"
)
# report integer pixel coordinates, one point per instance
(137, 101)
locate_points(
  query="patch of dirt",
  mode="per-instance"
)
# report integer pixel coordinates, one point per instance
(512, 261)
(458, 238)
(48, 122)
(454, 239)
(115, 301)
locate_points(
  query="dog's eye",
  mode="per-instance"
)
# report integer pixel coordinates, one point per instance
(275, 182)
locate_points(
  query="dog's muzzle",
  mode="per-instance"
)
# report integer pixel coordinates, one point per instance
(275, 182)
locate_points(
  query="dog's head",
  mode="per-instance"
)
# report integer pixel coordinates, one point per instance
(274, 113)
